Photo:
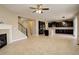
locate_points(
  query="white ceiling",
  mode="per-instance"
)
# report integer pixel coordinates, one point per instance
(55, 12)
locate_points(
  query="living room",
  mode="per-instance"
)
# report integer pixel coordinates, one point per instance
(26, 26)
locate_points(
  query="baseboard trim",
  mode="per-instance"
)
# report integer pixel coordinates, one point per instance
(18, 40)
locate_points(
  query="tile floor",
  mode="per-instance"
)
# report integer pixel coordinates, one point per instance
(41, 45)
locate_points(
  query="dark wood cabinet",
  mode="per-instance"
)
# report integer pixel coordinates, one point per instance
(64, 31)
(60, 24)
(46, 32)
(41, 27)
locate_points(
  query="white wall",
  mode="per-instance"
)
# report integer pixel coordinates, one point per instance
(78, 27)
(75, 27)
(37, 30)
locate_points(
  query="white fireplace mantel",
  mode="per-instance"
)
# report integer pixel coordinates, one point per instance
(9, 28)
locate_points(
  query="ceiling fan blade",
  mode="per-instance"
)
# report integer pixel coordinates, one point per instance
(45, 8)
(32, 7)
(33, 11)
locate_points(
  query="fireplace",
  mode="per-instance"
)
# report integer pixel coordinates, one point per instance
(3, 40)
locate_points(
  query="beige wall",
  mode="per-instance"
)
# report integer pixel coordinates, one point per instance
(8, 16)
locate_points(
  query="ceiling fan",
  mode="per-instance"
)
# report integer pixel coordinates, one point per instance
(39, 9)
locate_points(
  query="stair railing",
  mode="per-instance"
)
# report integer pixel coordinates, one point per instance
(22, 28)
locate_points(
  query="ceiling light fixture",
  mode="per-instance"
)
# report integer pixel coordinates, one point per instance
(39, 11)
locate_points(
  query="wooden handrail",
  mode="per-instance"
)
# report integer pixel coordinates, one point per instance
(21, 25)
(23, 28)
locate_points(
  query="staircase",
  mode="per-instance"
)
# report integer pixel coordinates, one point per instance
(17, 35)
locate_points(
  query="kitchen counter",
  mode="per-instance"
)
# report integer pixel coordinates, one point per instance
(53, 29)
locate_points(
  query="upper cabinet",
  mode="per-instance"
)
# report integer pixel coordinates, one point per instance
(64, 23)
